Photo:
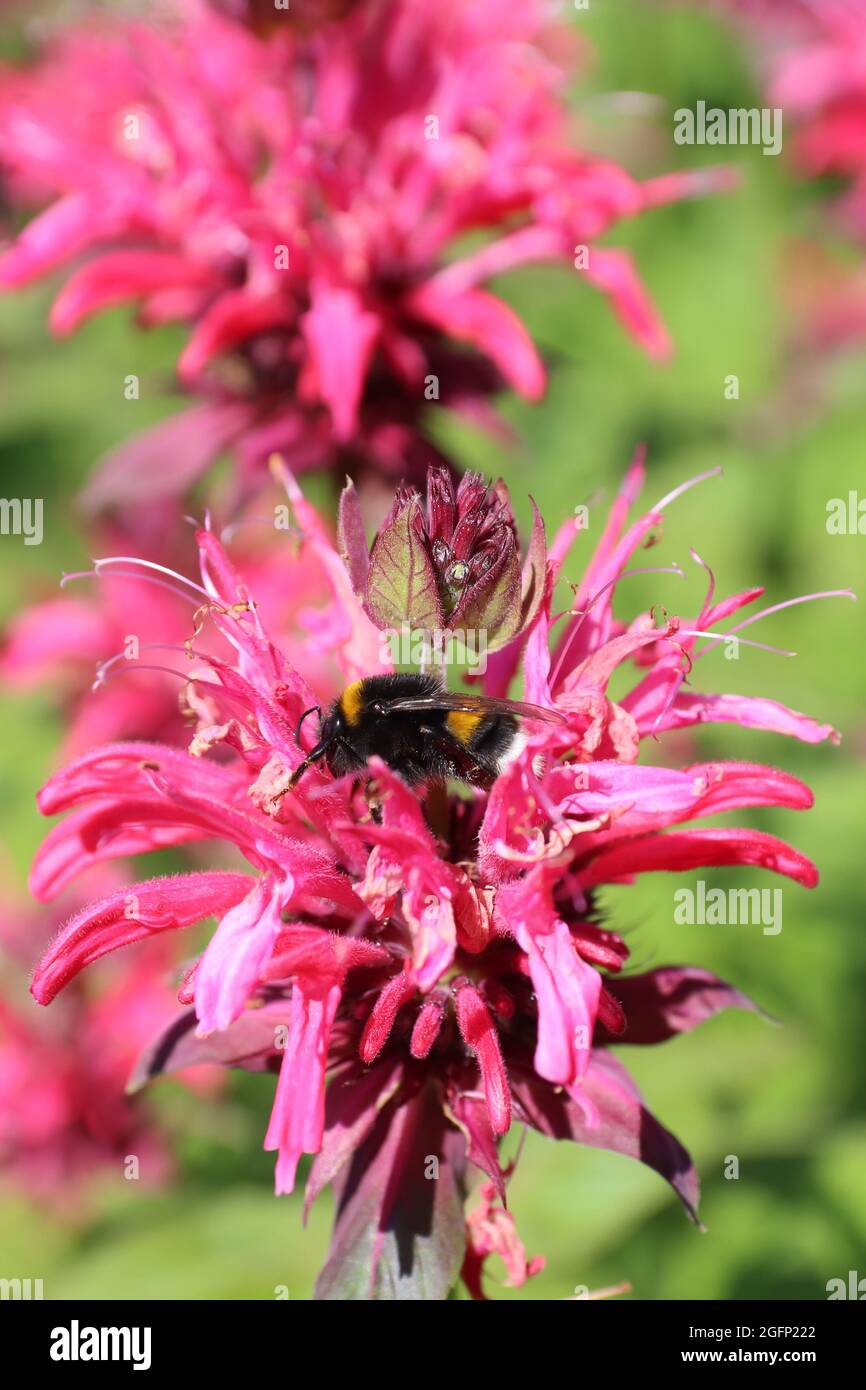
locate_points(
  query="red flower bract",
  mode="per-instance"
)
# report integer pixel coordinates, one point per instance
(442, 961)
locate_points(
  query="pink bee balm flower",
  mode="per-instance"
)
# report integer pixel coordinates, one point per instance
(813, 60)
(293, 195)
(437, 959)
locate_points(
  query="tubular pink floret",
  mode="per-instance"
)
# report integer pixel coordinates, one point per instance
(428, 1024)
(479, 1032)
(378, 1027)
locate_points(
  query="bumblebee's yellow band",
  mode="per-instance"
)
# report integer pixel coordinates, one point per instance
(462, 725)
(351, 702)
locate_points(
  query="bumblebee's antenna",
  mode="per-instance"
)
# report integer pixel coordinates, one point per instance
(314, 709)
(313, 756)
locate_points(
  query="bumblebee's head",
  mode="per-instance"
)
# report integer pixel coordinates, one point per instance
(328, 732)
(332, 730)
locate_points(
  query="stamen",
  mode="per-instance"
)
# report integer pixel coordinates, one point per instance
(708, 601)
(129, 574)
(105, 666)
(228, 532)
(717, 637)
(105, 672)
(686, 487)
(777, 608)
(582, 613)
(134, 560)
(100, 682)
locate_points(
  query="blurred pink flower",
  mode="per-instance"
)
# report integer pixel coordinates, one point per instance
(65, 1119)
(442, 962)
(821, 84)
(811, 58)
(93, 650)
(297, 197)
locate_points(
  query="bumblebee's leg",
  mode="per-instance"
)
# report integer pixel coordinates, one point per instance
(461, 762)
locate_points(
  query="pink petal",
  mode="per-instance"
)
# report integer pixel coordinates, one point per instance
(614, 274)
(298, 1118)
(92, 835)
(492, 327)
(232, 964)
(117, 277)
(56, 235)
(235, 316)
(45, 636)
(157, 905)
(341, 335)
(693, 849)
(747, 710)
(165, 459)
(567, 988)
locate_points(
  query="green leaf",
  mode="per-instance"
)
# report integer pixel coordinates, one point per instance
(401, 586)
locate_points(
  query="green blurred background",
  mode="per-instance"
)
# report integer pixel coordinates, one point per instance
(786, 1098)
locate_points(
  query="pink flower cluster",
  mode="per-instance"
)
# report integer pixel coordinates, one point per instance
(811, 55)
(442, 966)
(297, 195)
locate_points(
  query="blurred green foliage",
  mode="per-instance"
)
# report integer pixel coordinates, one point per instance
(786, 1098)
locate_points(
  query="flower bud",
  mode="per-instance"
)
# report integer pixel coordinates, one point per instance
(452, 564)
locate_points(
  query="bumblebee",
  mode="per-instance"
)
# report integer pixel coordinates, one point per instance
(423, 731)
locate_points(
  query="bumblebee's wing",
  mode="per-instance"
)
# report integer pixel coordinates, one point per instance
(479, 704)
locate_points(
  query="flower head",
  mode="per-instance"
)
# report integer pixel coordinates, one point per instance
(810, 57)
(441, 960)
(293, 195)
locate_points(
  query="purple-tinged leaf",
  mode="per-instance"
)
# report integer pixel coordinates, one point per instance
(472, 1117)
(251, 1042)
(401, 584)
(624, 1125)
(399, 1232)
(492, 603)
(672, 999)
(534, 574)
(353, 1100)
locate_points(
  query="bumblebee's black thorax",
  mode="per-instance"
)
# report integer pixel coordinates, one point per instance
(422, 744)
